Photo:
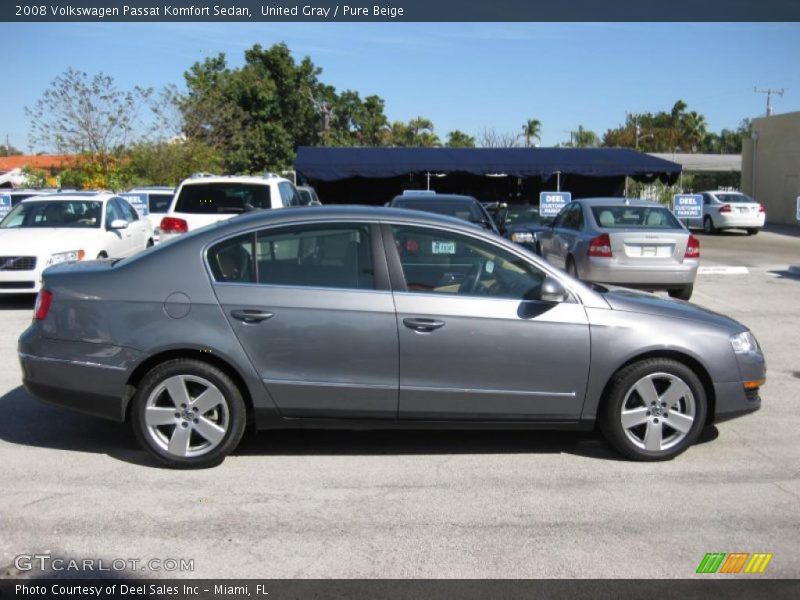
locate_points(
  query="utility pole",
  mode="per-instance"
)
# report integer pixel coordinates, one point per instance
(769, 92)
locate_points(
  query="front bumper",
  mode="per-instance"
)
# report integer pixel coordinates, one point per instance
(85, 377)
(733, 399)
(20, 282)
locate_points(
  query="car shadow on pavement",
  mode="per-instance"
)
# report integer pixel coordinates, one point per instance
(29, 422)
(787, 274)
(17, 302)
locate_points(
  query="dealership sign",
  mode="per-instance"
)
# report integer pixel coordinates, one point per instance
(139, 202)
(551, 203)
(688, 206)
(5, 205)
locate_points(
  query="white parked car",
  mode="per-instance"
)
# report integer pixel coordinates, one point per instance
(730, 210)
(46, 230)
(205, 199)
(158, 198)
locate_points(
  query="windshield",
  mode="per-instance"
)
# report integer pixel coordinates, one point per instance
(734, 198)
(73, 214)
(222, 198)
(524, 215)
(461, 209)
(644, 217)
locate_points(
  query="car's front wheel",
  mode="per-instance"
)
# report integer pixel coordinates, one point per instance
(654, 410)
(188, 414)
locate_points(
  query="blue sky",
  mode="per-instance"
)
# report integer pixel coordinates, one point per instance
(461, 75)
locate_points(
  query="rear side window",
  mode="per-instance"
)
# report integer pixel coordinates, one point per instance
(159, 203)
(644, 217)
(288, 194)
(328, 256)
(222, 198)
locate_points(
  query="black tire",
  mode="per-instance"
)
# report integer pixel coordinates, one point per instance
(683, 293)
(708, 225)
(752, 231)
(572, 268)
(102, 255)
(234, 411)
(622, 384)
(149, 243)
(537, 249)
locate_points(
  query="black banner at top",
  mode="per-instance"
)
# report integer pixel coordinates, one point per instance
(399, 10)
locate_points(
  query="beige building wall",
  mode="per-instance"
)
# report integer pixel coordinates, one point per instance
(777, 166)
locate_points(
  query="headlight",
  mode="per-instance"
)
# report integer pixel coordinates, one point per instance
(60, 257)
(744, 343)
(522, 237)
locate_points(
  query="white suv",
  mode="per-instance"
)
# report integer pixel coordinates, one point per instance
(205, 199)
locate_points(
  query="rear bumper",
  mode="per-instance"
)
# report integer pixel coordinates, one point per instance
(608, 270)
(744, 221)
(88, 378)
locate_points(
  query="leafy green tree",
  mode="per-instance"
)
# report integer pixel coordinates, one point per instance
(583, 138)
(168, 163)
(459, 139)
(416, 133)
(9, 150)
(532, 130)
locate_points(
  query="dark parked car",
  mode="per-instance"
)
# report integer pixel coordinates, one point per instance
(374, 318)
(521, 223)
(465, 208)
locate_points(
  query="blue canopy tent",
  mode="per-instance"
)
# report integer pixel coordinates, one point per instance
(375, 175)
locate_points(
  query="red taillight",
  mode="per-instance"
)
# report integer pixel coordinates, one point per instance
(726, 208)
(692, 248)
(42, 306)
(600, 247)
(173, 225)
(761, 208)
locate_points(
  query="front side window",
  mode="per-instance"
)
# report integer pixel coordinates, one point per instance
(126, 210)
(441, 262)
(328, 256)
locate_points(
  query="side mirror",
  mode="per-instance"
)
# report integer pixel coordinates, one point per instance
(553, 291)
(118, 224)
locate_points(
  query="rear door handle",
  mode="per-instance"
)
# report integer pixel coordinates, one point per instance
(423, 325)
(251, 316)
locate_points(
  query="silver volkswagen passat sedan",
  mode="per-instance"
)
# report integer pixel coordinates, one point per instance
(374, 318)
(634, 243)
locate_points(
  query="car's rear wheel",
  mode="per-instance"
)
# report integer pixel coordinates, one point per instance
(708, 225)
(654, 410)
(752, 231)
(538, 249)
(188, 414)
(682, 293)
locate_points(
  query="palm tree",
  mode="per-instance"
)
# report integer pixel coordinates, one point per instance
(586, 138)
(694, 129)
(532, 130)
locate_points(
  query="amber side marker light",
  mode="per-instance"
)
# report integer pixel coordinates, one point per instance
(754, 385)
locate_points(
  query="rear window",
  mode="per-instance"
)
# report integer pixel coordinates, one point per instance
(734, 198)
(645, 217)
(462, 209)
(222, 198)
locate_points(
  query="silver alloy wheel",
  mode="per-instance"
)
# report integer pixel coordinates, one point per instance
(187, 415)
(658, 412)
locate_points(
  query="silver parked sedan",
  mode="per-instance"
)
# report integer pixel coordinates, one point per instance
(374, 318)
(634, 243)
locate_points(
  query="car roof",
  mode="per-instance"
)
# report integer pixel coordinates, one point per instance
(618, 202)
(250, 179)
(151, 188)
(100, 196)
(445, 197)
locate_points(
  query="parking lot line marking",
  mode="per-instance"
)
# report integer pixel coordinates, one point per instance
(722, 270)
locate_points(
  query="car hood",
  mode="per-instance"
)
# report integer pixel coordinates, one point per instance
(635, 301)
(35, 241)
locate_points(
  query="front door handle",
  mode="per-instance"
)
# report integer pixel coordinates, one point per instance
(251, 316)
(423, 325)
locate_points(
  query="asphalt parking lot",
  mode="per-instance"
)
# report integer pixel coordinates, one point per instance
(305, 504)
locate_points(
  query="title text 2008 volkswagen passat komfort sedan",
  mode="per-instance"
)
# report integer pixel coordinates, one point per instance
(374, 318)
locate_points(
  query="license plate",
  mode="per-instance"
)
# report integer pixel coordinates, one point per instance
(649, 250)
(443, 247)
